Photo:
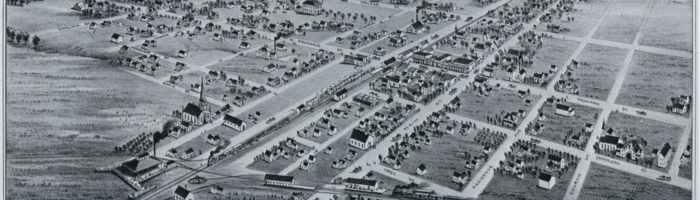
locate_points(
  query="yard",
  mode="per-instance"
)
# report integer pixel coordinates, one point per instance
(553, 52)
(203, 49)
(322, 172)
(687, 170)
(499, 102)
(410, 38)
(667, 26)
(653, 79)
(341, 123)
(597, 71)
(279, 164)
(393, 23)
(557, 126)
(83, 41)
(216, 88)
(606, 183)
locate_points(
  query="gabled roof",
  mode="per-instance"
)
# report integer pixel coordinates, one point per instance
(192, 109)
(233, 120)
(544, 177)
(182, 192)
(609, 139)
(341, 92)
(361, 181)
(136, 166)
(665, 149)
(359, 135)
(563, 107)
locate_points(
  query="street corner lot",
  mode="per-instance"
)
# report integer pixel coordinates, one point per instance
(507, 186)
(385, 181)
(83, 41)
(499, 102)
(451, 151)
(166, 69)
(686, 171)
(607, 183)
(216, 88)
(321, 172)
(553, 52)
(653, 79)
(250, 66)
(586, 14)
(339, 123)
(202, 49)
(655, 133)
(623, 21)
(557, 126)
(410, 38)
(43, 15)
(598, 69)
(279, 164)
(669, 26)
(393, 23)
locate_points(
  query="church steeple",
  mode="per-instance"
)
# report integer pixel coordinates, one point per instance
(201, 94)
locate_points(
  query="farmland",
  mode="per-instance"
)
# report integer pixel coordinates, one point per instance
(499, 102)
(607, 183)
(669, 29)
(597, 72)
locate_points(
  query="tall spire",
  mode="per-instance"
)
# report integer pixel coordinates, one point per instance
(201, 94)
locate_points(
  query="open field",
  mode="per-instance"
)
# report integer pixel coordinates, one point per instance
(499, 102)
(557, 126)
(203, 48)
(79, 105)
(83, 41)
(606, 183)
(63, 178)
(43, 15)
(322, 172)
(394, 23)
(687, 170)
(599, 66)
(653, 79)
(667, 26)
(279, 164)
(623, 21)
(553, 52)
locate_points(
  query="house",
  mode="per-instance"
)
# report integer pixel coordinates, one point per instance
(546, 181)
(183, 194)
(116, 38)
(182, 53)
(140, 167)
(213, 140)
(679, 108)
(244, 45)
(234, 123)
(297, 196)
(416, 28)
(459, 177)
(556, 160)
(305, 165)
(664, 155)
(279, 180)
(215, 189)
(171, 153)
(363, 185)
(361, 140)
(352, 154)
(332, 130)
(341, 94)
(421, 170)
(589, 128)
(269, 68)
(193, 113)
(563, 109)
(187, 154)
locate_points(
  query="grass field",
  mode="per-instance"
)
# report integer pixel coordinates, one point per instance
(202, 48)
(322, 172)
(82, 41)
(653, 79)
(687, 170)
(623, 21)
(392, 24)
(606, 183)
(553, 52)
(43, 15)
(556, 126)
(586, 14)
(597, 76)
(279, 164)
(500, 101)
(667, 26)
(508, 187)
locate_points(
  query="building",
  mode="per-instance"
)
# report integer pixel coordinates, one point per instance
(183, 194)
(194, 114)
(459, 177)
(421, 169)
(182, 53)
(310, 7)
(116, 38)
(213, 140)
(216, 190)
(341, 94)
(416, 28)
(361, 140)
(609, 143)
(361, 185)
(356, 59)
(546, 181)
(563, 109)
(279, 180)
(141, 167)
(234, 123)
(187, 154)
(664, 155)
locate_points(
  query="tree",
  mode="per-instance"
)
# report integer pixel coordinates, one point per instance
(35, 41)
